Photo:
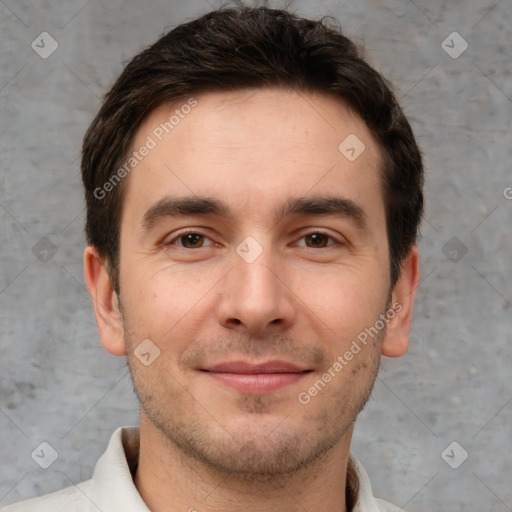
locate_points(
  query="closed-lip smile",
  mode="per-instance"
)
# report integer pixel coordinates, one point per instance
(256, 378)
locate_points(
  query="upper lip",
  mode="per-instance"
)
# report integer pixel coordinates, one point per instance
(274, 366)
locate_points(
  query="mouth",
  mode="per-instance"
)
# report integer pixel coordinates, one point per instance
(256, 378)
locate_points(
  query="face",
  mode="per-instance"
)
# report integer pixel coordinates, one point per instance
(253, 253)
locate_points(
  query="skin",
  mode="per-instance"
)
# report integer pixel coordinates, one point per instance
(204, 445)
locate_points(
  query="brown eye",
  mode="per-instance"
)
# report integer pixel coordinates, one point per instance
(317, 239)
(192, 240)
(189, 240)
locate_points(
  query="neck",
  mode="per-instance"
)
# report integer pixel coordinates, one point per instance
(170, 480)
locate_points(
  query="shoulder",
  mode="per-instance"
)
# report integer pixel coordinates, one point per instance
(70, 499)
(365, 500)
(111, 482)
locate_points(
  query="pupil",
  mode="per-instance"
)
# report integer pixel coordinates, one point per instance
(316, 238)
(192, 238)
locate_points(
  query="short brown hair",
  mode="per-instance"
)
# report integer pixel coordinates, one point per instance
(243, 47)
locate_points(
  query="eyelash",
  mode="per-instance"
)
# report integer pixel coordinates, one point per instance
(196, 232)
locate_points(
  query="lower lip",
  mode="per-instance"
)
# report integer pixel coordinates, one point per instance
(258, 382)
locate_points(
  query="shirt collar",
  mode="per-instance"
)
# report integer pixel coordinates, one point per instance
(113, 487)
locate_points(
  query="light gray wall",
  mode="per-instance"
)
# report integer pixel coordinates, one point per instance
(58, 385)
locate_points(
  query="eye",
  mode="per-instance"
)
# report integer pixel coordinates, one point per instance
(318, 240)
(189, 240)
(196, 240)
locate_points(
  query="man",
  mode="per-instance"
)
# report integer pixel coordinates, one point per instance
(253, 199)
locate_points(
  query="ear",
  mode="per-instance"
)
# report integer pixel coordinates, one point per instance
(106, 306)
(396, 340)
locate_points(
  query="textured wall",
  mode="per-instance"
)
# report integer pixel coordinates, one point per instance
(57, 385)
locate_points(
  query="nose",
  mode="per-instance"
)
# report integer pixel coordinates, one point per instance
(256, 297)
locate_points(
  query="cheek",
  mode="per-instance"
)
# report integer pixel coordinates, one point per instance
(161, 299)
(343, 302)
(344, 288)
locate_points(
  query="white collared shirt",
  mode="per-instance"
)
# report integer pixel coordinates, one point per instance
(111, 488)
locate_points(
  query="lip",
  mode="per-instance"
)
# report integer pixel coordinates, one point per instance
(274, 366)
(256, 378)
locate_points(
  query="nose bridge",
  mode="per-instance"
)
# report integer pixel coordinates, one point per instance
(254, 297)
(253, 279)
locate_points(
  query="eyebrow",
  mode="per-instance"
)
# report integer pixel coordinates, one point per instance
(206, 206)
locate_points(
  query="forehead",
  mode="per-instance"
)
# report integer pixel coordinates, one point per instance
(251, 147)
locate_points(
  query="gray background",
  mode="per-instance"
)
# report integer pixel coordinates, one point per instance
(58, 385)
